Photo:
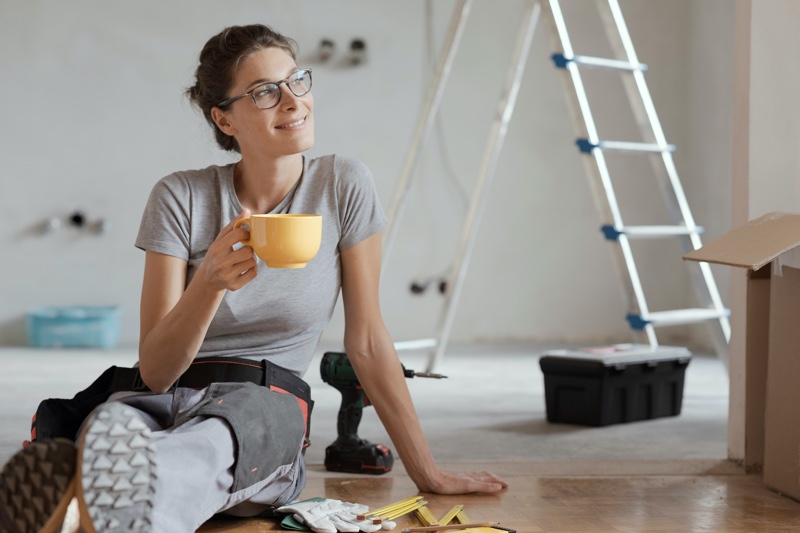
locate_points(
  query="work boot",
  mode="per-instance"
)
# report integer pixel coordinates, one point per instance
(116, 471)
(36, 487)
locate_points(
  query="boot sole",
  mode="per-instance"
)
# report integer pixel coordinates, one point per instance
(117, 471)
(36, 486)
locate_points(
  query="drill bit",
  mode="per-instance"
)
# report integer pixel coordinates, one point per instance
(410, 374)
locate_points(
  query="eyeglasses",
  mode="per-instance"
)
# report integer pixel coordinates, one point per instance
(268, 95)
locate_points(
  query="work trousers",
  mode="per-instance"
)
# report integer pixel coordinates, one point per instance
(197, 452)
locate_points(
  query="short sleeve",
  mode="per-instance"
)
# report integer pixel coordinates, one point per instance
(165, 222)
(360, 212)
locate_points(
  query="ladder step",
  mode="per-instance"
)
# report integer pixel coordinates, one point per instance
(676, 317)
(648, 232)
(415, 344)
(561, 61)
(586, 146)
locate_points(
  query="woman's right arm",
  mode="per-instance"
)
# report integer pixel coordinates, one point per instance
(174, 320)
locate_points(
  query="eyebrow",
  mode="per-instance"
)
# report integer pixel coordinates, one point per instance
(262, 81)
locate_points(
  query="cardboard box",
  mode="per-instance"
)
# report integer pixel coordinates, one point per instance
(772, 347)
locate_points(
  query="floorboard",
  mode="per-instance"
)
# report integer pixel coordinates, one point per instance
(683, 496)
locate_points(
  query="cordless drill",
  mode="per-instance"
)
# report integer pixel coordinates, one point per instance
(349, 453)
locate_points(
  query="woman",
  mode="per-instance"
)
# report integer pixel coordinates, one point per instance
(206, 298)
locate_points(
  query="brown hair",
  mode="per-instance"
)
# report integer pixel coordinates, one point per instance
(219, 60)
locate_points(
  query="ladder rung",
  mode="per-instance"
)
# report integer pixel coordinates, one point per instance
(648, 232)
(415, 344)
(676, 317)
(586, 146)
(562, 61)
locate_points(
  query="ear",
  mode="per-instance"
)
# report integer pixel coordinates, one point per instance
(222, 121)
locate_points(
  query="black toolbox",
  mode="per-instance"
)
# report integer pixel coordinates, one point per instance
(613, 384)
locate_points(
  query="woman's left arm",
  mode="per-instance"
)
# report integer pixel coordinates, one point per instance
(371, 352)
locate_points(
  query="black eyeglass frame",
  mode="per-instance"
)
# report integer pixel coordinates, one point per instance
(277, 84)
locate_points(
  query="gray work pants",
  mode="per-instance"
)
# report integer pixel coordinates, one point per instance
(197, 462)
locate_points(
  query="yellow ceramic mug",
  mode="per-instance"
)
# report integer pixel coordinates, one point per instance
(284, 240)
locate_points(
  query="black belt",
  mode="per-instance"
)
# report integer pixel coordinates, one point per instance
(207, 370)
(57, 417)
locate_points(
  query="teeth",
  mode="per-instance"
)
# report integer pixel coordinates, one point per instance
(293, 124)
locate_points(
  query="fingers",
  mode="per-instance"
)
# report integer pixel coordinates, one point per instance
(237, 277)
(26, 443)
(486, 488)
(244, 278)
(487, 482)
(230, 235)
(242, 255)
(490, 483)
(483, 482)
(233, 236)
(226, 268)
(240, 268)
(227, 229)
(488, 477)
(244, 214)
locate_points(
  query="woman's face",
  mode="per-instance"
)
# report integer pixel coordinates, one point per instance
(287, 128)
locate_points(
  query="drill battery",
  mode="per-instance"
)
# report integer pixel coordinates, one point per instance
(368, 458)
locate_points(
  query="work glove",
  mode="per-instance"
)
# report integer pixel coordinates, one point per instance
(331, 516)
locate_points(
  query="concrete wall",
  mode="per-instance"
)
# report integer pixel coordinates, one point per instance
(94, 115)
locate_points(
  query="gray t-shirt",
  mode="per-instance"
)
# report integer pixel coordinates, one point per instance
(279, 315)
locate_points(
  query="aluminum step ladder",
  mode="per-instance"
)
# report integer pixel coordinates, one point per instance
(640, 317)
(504, 110)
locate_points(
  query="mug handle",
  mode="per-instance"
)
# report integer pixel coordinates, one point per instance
(241, 222)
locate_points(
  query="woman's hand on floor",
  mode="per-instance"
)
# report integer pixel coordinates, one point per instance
(463, 483)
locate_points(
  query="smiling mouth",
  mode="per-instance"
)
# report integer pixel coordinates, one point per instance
(293, 125)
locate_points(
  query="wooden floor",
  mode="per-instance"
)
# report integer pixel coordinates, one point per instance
(687, 496)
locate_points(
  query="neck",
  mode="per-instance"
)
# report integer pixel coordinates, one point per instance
(262, 182)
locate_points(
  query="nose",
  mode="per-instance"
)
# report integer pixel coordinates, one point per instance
(288, 98)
